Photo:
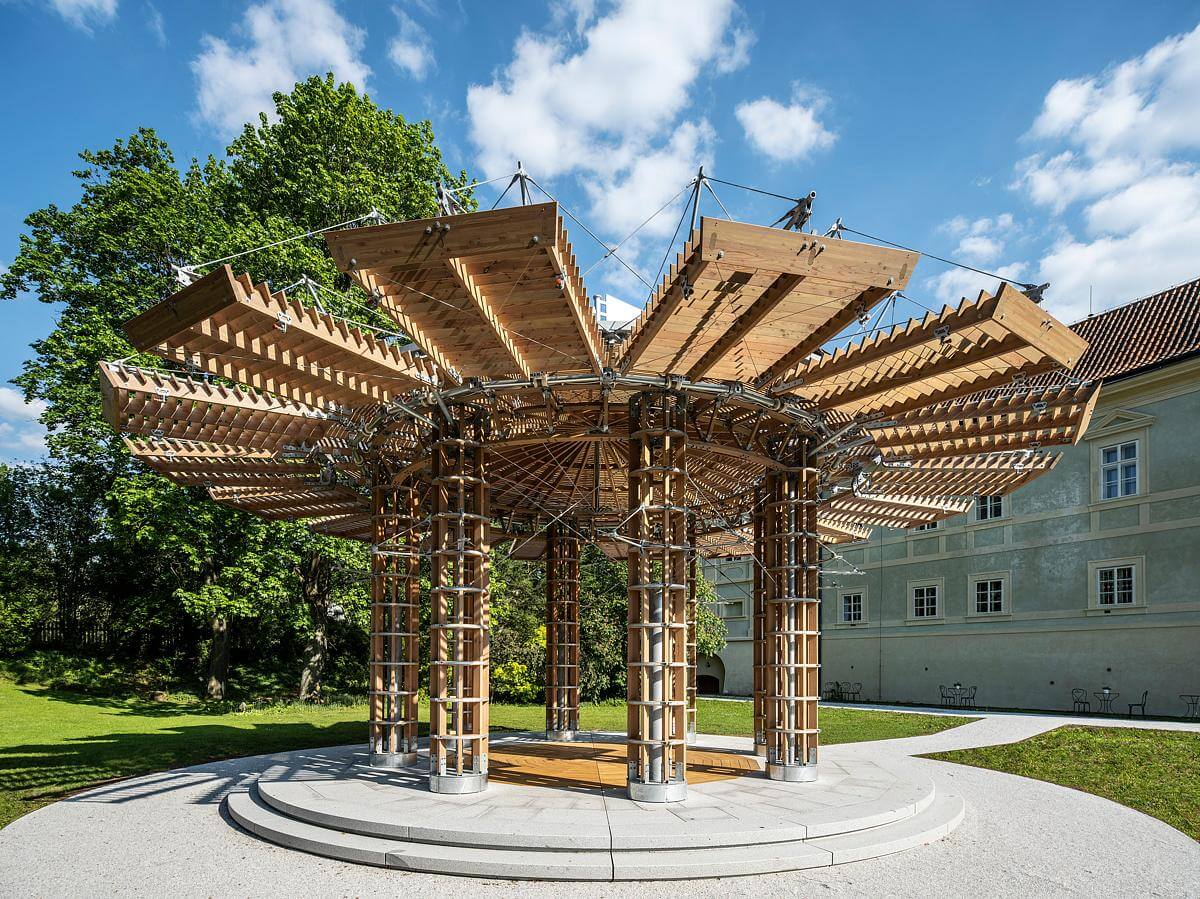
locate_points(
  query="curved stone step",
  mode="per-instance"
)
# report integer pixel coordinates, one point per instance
(753, 813)
(260, 819)
(933, 822)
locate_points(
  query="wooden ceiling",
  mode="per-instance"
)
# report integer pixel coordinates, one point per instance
(281, 409)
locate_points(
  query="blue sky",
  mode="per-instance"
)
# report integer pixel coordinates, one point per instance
(1046, 141)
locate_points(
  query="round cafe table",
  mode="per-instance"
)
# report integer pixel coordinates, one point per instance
(1106, 701)
(1193, 705)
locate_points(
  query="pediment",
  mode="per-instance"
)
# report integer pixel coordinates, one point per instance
(1117, 421)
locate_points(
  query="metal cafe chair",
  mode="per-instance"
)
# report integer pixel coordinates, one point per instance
(1079, 700)
(947, 698)
(967, 698)
(1141, 706)
(855, 692)
(831, 690)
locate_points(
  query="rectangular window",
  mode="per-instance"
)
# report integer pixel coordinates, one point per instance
(989, 596)
(925, 601)
(852, 607)
(929, 526)
(988, 507)
(1119, 470)
(1116, 585)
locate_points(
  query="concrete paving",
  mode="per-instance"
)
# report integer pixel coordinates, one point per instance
(164, 834)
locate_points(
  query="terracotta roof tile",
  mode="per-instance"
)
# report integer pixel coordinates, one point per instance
(1140, 334)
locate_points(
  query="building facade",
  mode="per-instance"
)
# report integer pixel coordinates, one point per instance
(1087, 578)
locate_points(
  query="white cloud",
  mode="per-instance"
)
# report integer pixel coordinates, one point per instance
(604, 96)
(786, 132)
(1143, 239)
(154, 22)
(13, 406)
(1066, 178)
(736, 54)
(623, 199)
(956, 284)
(577, 12)
(21, 436)
(1117, 170)
(595, 109)
(282, 42)
(411, 49)
(1127, 172)
(1145, 105)
(85, 14)
(982, 242)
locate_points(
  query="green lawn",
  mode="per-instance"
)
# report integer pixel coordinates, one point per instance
(1153, 771)
(53, 742)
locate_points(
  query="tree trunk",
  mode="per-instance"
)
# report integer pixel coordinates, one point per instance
(317, 585)
(218, 658)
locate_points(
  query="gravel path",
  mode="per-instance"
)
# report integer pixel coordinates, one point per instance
(164, 834)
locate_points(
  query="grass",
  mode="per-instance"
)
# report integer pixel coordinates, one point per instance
(56, 741)
(1153, 771)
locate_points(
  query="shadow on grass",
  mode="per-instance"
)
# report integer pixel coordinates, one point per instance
(43, 772)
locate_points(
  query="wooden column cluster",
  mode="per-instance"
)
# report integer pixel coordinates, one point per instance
(562, 633)
(692, 653)
(658, 598)
(791, 627)
(458, 664)
(395, 614)
(759, 625)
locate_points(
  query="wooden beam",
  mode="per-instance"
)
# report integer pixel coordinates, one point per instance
(746, 322)
(848, 314)
(736, 245)
(658, 311)
(577, 305)
(462, 276)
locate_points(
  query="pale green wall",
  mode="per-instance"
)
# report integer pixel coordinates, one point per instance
(1048, 641)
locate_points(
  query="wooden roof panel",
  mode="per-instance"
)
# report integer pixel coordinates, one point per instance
(742, 297)
(492, 293)
(238, 330)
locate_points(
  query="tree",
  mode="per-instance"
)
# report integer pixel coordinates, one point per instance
(330, 156)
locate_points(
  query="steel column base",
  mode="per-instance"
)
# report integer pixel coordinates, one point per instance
(392, 759)
(690, 738)
(760, 750)
(561, 736)
(792, 773)
(457, 784)
(676, 791)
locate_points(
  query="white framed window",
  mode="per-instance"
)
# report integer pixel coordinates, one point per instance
(925, 599)
(728, 608)
(989, 507)
(989, 596)
(928, 526)
(1117, 584)
(853, 606)
(987, 593)
(1119, 470)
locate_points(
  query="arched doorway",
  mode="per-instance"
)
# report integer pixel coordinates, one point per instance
(710, 676)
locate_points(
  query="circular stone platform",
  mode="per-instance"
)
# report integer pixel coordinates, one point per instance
(558, 811)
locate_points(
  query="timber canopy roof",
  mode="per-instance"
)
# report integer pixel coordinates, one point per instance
(286, 411)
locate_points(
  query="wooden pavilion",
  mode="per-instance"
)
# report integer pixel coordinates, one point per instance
(717, 424)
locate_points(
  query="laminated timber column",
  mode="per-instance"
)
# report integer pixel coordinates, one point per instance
(658, 627)
(692, 654)
(792, 626)
(395, 613)
(458, 663)
(758, 630)
(562, 634)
